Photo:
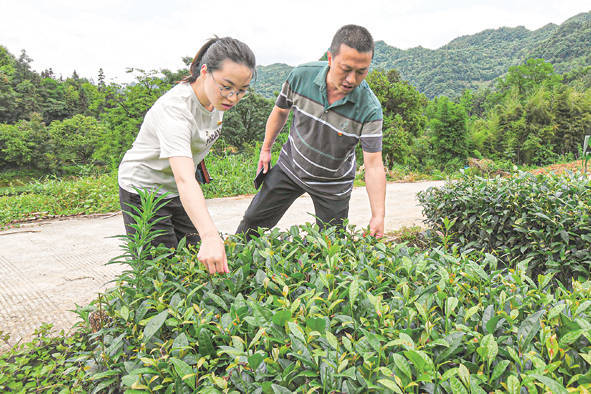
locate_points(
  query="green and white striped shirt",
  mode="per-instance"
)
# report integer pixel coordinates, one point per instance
(320, 152)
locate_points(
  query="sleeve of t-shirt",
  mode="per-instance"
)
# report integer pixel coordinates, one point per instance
(172, 126)
(371, 132)
(285, 98)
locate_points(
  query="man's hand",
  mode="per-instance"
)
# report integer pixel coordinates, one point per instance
(213, 255)
(275, 123)
(264, 160)
(376, 227)
(375, 184)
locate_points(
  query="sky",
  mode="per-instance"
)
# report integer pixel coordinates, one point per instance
(84, 36)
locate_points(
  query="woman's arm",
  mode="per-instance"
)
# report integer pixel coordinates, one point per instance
(212, 253)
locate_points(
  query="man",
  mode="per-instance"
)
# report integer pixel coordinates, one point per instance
(334, 110)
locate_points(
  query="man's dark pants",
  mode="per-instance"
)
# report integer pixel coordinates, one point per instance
(276, 196)
(176, 222)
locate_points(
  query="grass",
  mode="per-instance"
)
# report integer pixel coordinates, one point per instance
(98, 193)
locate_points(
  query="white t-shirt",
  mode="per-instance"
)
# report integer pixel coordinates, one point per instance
(176, 125)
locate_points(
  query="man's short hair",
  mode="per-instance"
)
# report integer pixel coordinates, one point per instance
(353, 36)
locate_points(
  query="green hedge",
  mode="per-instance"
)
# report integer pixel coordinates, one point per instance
(545, 219)
(310, 311)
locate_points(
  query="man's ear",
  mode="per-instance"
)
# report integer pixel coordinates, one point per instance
(329, 58)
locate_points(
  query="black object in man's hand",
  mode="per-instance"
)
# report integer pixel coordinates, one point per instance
(258, 180)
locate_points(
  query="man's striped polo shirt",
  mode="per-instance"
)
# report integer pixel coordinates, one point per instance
(320, 152)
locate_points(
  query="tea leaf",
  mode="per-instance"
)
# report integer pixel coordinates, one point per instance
(471, 311)
(154, 324)
(390, 385)
(478, 270)
(449, 373)
(553, 385)
(529, 328)
(464, 374)
(499, 369)
(184, 370)
(457, 387)
(420, 359)
(332, 340)
(555, 311)
(255, 360)
(217, 300)
(406, 341)
(124, 312)
(256, 337)
(353, 292)
(296, 331)
(570, 337)
(450, 305)
(491, 348)
(513, 384)
(281, 317)
(402, 364)
(491, 325)
(583, 307)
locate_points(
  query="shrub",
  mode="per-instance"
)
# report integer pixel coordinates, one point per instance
(310, 311)
(544, 219)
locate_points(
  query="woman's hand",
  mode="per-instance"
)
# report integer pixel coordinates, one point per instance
(213, 255)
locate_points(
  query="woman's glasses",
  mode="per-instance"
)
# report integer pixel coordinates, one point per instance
(227, 91)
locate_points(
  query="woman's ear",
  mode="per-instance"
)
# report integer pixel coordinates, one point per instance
(203, 70)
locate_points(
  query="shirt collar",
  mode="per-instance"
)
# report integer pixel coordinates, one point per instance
(320, 81)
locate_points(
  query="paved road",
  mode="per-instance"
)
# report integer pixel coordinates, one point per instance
(48, 268)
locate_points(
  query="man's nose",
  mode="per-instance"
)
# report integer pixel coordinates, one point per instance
(351, 77)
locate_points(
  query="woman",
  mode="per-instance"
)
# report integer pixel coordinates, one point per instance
(176, 134)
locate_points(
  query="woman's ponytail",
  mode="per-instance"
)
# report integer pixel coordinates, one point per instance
(196, 63)
(215, 51)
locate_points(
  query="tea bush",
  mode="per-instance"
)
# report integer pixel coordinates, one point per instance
(543, 219)
(310, 311)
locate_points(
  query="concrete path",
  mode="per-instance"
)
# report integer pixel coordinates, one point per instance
(48, 268)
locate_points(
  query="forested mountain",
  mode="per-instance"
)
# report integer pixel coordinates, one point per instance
(473, 61)
(270, 78)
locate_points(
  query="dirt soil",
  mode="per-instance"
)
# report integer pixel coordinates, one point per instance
(574, 166)
(48, 267)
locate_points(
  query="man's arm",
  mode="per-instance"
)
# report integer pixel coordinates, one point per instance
(375, 184)
(275, 123)
(211, 253)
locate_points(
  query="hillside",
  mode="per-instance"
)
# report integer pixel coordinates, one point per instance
(270, 78)
(472, 61)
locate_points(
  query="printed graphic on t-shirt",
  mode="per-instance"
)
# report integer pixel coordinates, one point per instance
(212, 136)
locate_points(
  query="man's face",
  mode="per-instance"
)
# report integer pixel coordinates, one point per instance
(347, 69)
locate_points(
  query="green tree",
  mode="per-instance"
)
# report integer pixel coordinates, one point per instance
(572, 119)
(7, 93)
(403, 107)
(448, 132)
(527, 78)
(244, 125)
(27, 100)
(24, 144)
(125, 108)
